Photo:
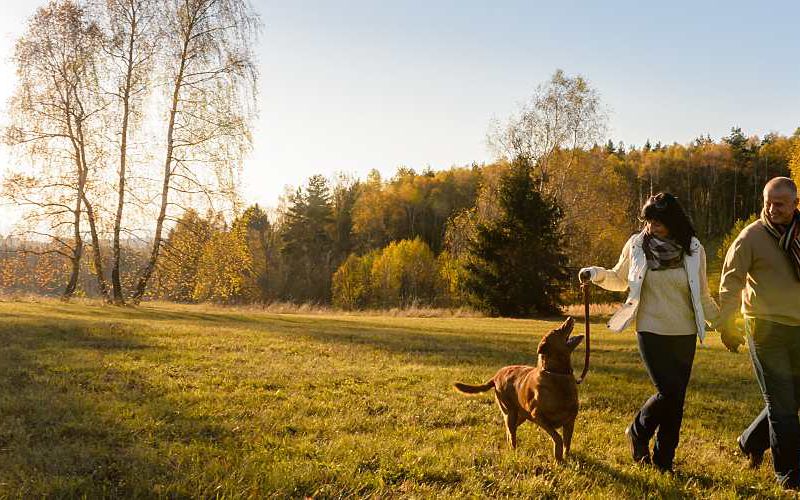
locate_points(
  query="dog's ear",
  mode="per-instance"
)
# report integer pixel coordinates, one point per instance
(542, 349)
(573, 342)
(567, 325)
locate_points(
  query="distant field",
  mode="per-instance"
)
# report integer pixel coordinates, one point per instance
(184, 401)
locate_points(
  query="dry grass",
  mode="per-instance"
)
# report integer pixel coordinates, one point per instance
(596, 311)
(277, 307)
(308, 308)
(33, 298)
(178, 401)
(414, 311)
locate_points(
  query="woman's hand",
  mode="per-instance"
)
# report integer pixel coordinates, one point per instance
(586, 274)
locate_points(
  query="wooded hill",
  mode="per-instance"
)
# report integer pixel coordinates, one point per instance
(407, 240)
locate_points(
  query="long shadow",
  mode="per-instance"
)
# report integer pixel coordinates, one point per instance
(40, 332)
(54, 441)
(74, 425)
(146, 313)
(424, 344)
(448, 348)
(482, 355)
(673, 489)
(438, 348)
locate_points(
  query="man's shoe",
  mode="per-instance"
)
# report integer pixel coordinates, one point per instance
(753, 458)
(639, 452)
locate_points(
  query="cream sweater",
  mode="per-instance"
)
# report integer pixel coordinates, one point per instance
(665, 305)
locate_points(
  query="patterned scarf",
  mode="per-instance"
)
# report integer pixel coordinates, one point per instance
(788, 237)
(661, 253)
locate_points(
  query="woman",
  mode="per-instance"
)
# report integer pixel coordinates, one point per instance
(664, 266)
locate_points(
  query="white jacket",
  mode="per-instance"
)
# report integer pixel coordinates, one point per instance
(630, 271)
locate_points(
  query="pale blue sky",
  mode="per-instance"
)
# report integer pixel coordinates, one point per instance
(355, 85)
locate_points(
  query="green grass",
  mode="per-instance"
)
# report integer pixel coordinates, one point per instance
(181, 401)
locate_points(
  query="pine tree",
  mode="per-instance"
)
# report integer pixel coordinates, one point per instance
(516, 264)
(308, 244)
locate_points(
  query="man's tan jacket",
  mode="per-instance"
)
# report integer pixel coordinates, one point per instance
(758, 274)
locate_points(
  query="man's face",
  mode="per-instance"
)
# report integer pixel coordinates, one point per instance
(779, 205)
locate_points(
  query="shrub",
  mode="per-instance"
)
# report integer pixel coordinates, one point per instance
(351, 282)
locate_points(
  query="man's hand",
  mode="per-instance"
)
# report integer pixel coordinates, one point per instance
(730, 335)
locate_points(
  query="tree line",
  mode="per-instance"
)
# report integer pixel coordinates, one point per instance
(480, 235)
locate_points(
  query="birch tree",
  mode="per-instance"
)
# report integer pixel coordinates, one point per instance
(130, 47)
(563, 114)
(51, 115)
(211, 77)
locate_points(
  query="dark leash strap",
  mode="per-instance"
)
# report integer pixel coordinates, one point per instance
(585, 289)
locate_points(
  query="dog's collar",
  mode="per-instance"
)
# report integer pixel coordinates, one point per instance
(570, 374)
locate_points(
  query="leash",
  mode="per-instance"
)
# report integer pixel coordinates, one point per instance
(585, 287)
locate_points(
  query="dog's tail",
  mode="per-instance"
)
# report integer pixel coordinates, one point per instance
(473, 389)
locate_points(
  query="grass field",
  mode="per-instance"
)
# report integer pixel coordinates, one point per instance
(182, 401)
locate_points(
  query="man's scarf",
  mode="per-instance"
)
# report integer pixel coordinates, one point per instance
(661, 253)
(788, 237)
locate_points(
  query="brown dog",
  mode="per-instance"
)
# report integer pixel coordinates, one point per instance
(545, 394)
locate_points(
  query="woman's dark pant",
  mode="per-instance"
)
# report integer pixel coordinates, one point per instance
(668, 359)
(775, 352)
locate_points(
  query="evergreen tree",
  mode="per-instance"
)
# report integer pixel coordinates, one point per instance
(516, 263)
(345, 194)
(743, 156)
(308, 244)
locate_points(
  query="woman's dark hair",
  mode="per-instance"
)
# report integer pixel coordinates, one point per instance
(664, 208)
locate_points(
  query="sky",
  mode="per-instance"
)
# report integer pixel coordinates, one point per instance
(351, 85)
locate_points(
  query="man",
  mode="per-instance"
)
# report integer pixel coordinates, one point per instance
(762, 273)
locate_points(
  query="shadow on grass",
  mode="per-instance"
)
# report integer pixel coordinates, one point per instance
(439, 348)
(54, 438)
(447, 348)
(145, 313)
(650, 485)
(65, 403)
(484, 354)
(421, 344)
(74, 423)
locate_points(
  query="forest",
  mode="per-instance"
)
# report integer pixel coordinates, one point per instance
(410, 239)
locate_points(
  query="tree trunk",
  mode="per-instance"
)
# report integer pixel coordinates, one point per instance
(77, 251)
(96, 253)
(735, 193)
(144, 277)
(116, 282)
